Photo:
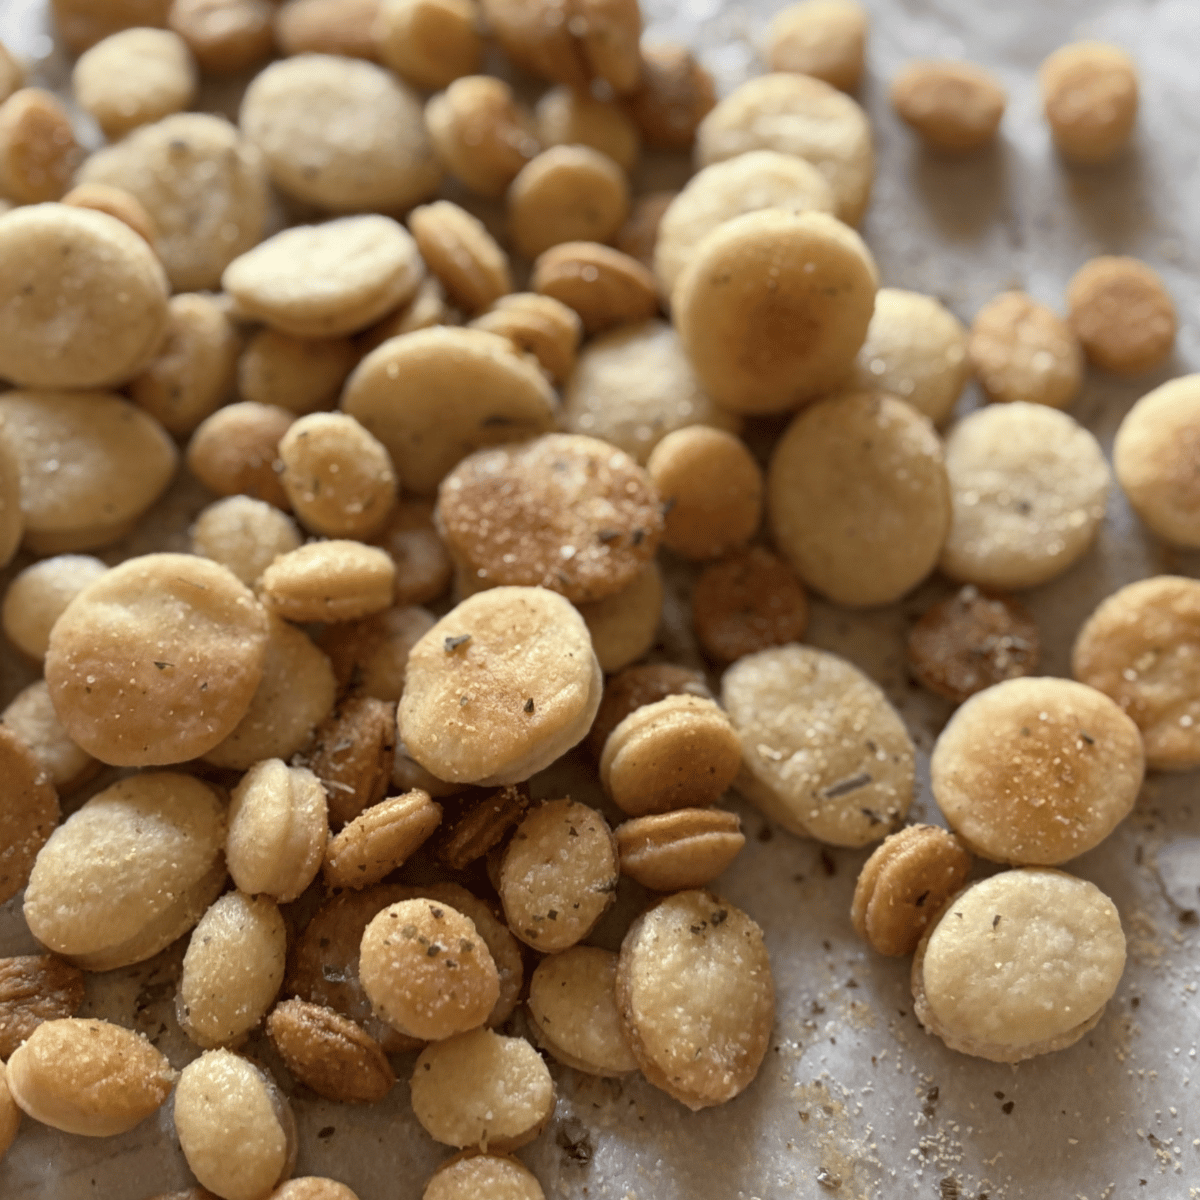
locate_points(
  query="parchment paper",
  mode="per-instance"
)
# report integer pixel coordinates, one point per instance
(854, 1100)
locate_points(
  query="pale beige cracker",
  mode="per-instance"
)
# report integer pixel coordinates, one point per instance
(753, 285)
(1090, 98)
(916, 350)
(204, 186)
(278, 827)
(905, 884)
(697, 997)
(38, 149)
(129, 872)
(117, 203)
(31, 716)
(459, 250)
(312, 1187)
(433, 396)
(537, 325)
(337, 475)
(1139, 647)
(232, 970)
(88, 1077)
(635, 385)
(219, 1092)
(623, 626)
(605, 287)
(500, 687)
(675, 851)
(1019, 964)
(36, 597)
(502, 946)
(83, 298)
(873, 468)
(91, 465)
(956, 107)
(482, 1089)
(822, 38)
(295, 694)
(236, 451)
(468, 1175)
(574, 1011)
(340, 133)
(731, 188)
(426, 970)
(300, 374)
(1022, 350)
(429, 43)
(566, 117)
(335, 580)
(157, 660)
(133, 78)
(193, 373)
(800, 115)
(225, 36)
(712, 489)
(566, 194)
(325, 280)
(1122, 313)
(575, 44)
(1037, 770)
(244, 534)
(558, 875)
(344, 27)
(1029, 488)
(1155, 460)
(481, 134)
(678, 752)
(824, 752)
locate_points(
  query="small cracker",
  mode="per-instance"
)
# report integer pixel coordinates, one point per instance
(565, 512)
(971, 641)
(904, 884)
(746, 602)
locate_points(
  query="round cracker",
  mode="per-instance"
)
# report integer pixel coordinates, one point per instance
(500, 687)
(157, 660)
(434, 395)
(1036, 770)
(565, 512)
